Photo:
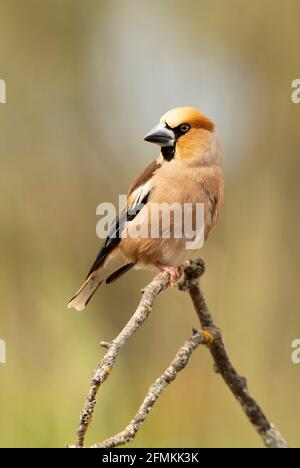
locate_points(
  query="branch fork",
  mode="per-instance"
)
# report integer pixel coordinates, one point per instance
(210, 335)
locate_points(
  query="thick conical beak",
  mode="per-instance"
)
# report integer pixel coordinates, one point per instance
(161, 135)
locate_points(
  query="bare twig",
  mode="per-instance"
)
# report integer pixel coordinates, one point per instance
(237, 384)
(178, 364)
(210, 335)
(158, 284)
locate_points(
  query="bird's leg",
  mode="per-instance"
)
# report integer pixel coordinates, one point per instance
(174, 272)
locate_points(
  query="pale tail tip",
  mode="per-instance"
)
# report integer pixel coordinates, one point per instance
(78, 307)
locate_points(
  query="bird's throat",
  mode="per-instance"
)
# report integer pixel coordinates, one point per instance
(168, 152)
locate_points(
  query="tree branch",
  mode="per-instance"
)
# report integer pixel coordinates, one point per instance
(237, 384)
(210, 335)
(178, 364)
(101, 373)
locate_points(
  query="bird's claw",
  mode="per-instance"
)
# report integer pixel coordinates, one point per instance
(174, 272)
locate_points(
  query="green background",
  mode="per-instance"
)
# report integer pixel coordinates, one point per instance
(85, 81)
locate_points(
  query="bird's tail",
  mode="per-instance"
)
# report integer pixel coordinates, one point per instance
(85, 293)
(109, 270)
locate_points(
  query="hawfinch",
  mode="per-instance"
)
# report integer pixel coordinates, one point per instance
(187, 171)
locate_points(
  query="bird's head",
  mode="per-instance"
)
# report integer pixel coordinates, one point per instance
(183, 133)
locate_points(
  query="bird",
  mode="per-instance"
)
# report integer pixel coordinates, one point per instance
(187, 170)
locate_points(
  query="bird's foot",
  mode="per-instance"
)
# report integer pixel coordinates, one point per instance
(174, 272)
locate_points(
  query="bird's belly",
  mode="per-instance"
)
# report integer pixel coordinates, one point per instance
(146, 252)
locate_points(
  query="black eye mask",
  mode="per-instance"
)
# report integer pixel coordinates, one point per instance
(168, 152)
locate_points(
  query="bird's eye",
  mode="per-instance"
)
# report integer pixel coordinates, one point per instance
(184, 128)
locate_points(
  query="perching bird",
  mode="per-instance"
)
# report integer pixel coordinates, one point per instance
(187, 170)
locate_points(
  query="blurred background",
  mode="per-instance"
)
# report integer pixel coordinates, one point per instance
(85, 81)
